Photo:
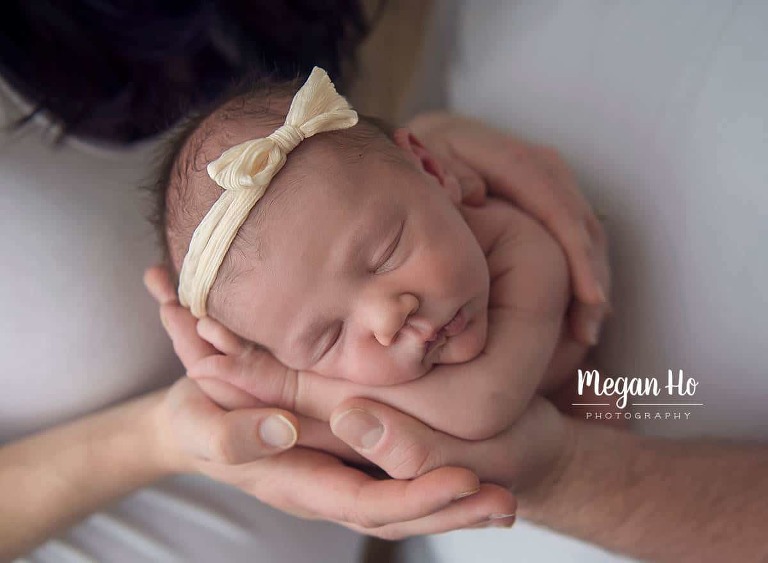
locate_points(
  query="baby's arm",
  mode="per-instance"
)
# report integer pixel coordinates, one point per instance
(529, 283)
(529, 296)
(473, 400)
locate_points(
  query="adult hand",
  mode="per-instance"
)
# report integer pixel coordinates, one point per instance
(526, 457)
(538, 180)
(195, 434)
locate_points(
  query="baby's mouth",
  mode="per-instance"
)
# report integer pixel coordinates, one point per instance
(457, 324)
(440, 338)
(452, 328)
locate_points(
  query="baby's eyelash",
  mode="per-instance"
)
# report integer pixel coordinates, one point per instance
(334, 340)
(391, 250)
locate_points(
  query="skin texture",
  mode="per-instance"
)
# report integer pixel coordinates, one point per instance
(46, 485)
(536, 179)
(472, 400)
(378, 255)
(651, 498)
(362, 266)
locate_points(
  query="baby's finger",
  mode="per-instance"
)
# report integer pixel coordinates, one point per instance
(158, 283)
(492, 505)
(223, 339)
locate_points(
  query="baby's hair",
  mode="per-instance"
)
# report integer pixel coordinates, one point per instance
(182, 193)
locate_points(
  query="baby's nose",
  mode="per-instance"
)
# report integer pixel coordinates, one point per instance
(393, 318)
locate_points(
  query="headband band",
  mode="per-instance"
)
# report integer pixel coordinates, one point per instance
(244, 172)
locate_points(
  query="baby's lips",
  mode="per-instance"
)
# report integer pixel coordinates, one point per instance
(436, 342)
(457, 324)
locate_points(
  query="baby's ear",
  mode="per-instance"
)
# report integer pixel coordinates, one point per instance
(430, 164)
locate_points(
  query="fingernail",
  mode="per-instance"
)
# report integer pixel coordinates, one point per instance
(593, 331)
(467, 494)
(277, 431)
(500, 516)
(498, 520)
(600, 295)
(358, 428)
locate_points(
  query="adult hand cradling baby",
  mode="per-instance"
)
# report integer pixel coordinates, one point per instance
(195, 434)
(525, 453)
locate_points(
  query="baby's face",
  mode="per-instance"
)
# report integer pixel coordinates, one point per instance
(369, 273)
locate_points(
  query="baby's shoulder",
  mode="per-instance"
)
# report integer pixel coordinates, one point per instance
(495, 221)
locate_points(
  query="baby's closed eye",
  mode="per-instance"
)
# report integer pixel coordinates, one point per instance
(386, 262)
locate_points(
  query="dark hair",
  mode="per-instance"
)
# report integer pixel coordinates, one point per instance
(120, 71)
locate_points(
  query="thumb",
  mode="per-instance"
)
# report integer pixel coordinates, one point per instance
(206, 431)
(401, 445)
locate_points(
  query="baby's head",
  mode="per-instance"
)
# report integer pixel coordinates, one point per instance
(355, 264)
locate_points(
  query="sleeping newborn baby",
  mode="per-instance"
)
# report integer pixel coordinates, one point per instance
(344, 251)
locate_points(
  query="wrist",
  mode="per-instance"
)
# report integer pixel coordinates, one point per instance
(163, 451)
(535, 501)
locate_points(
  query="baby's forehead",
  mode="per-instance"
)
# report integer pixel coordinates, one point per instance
(325, 174)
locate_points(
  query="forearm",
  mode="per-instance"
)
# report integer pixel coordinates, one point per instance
(52, 479)
(659, 499)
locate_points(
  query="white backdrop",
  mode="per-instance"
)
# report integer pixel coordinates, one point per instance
(661, 108)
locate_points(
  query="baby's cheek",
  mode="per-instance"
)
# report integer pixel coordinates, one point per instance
(371, 366)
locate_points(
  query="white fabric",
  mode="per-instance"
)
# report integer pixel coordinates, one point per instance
(662, 109)
(245, 172)
(79, 332)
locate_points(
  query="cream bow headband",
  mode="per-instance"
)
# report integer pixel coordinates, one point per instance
(245, 171)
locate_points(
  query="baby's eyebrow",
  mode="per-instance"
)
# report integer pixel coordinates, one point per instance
(366, 235)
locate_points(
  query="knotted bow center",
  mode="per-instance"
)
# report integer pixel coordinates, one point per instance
(287, 137)
(244, 172)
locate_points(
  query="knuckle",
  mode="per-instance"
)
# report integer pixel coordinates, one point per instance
(277, 383)
(408, 460)
(220, 446)
(291, 388)
(352, 514)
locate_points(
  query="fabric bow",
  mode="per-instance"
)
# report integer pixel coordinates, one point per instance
(244, 172)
